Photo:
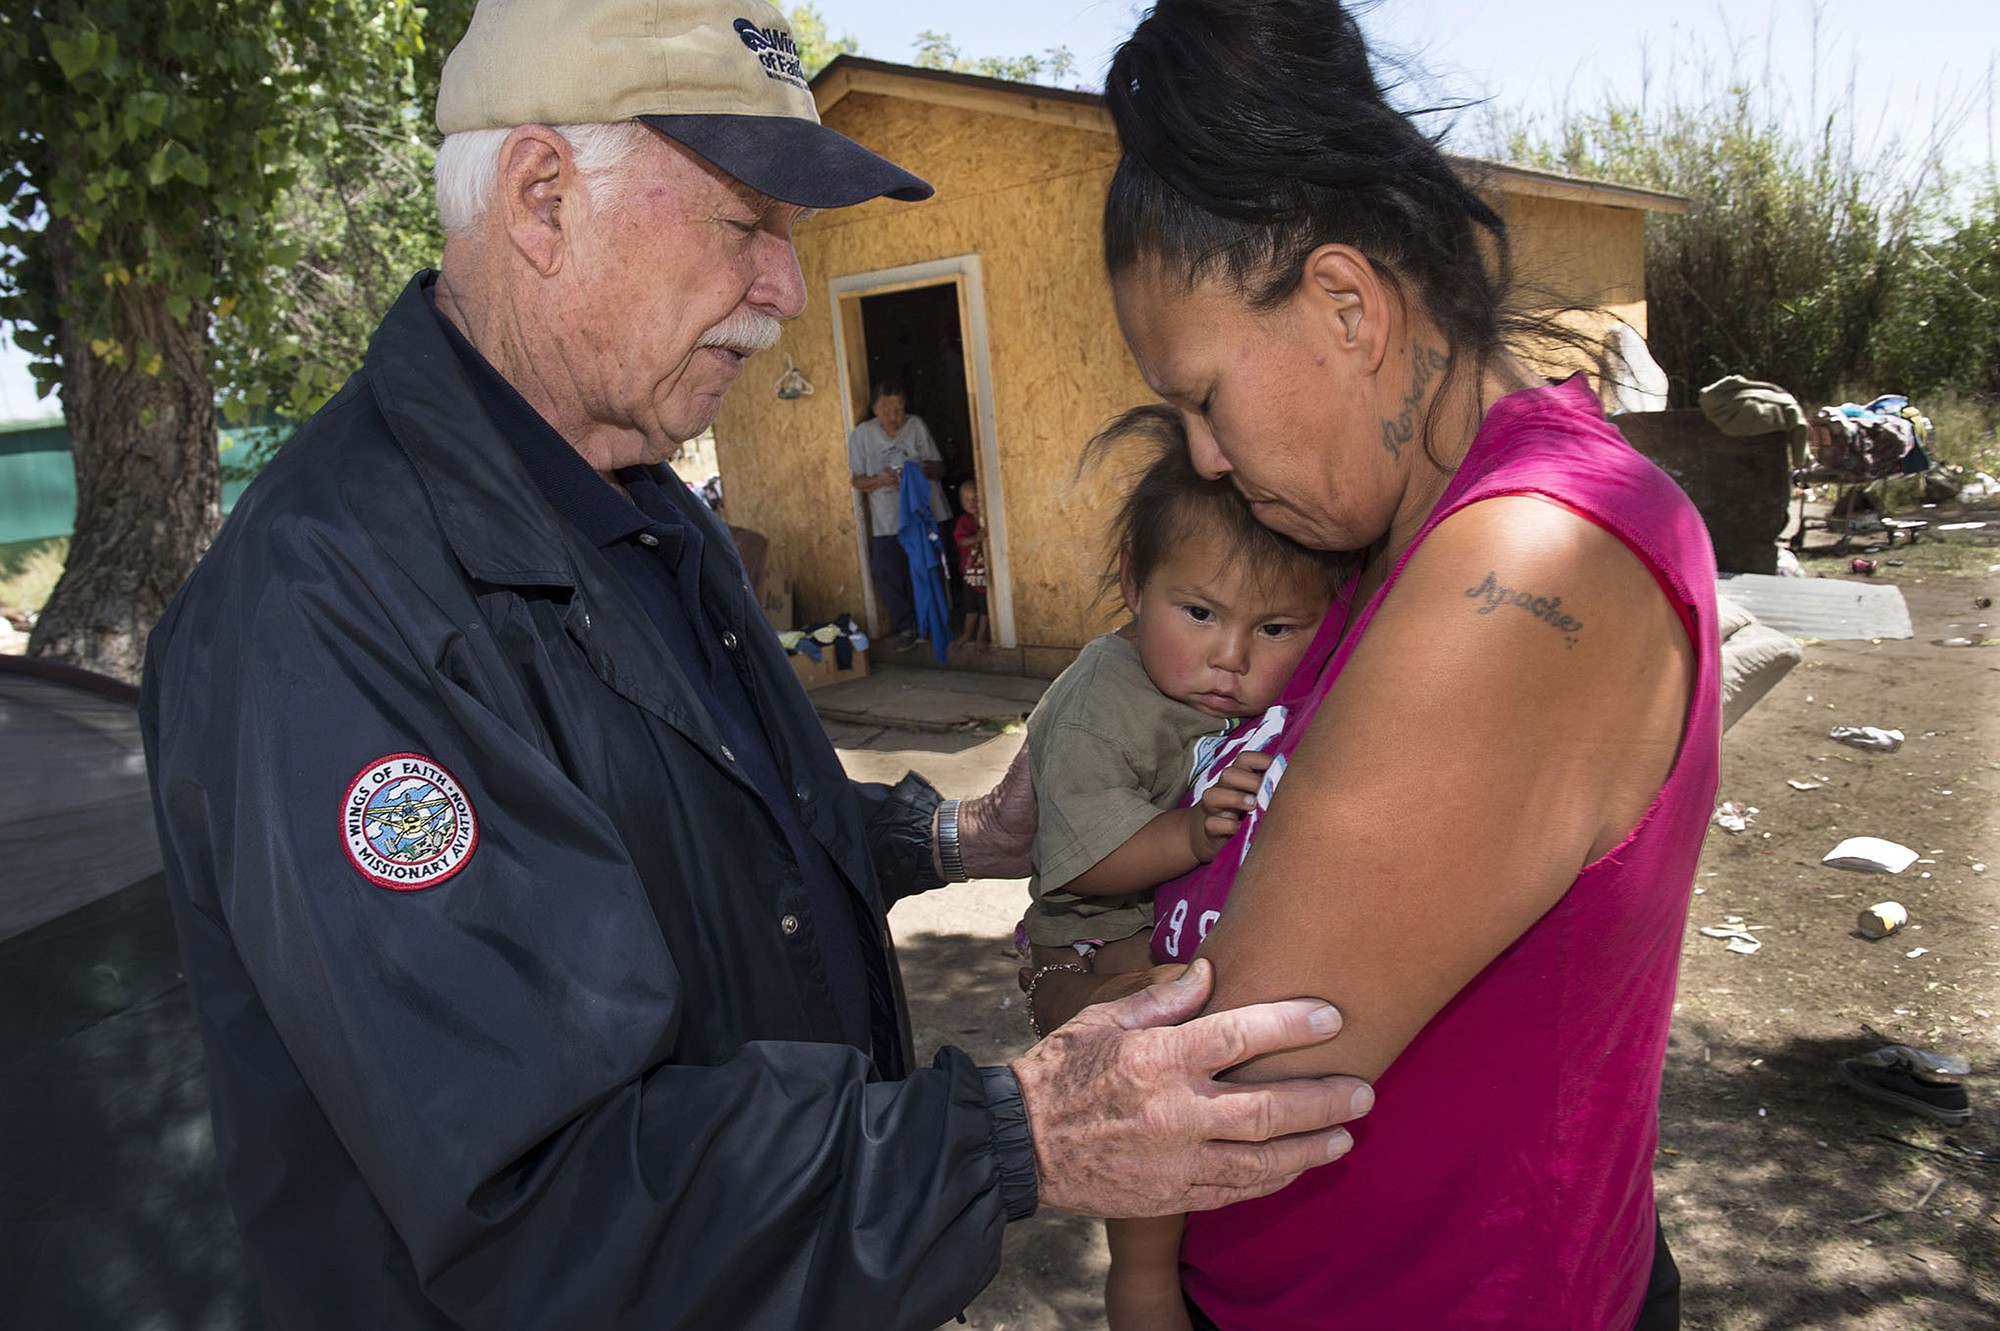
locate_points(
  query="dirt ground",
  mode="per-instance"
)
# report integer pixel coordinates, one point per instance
(1790, 1201)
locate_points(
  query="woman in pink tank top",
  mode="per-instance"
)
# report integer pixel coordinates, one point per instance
(1492, 773)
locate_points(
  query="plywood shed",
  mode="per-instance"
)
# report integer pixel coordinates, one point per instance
(989, 302)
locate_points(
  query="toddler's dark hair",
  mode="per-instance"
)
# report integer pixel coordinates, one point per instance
(1167, 501)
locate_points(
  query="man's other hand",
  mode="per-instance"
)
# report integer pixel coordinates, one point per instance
(1129, 1119)
(996, 831)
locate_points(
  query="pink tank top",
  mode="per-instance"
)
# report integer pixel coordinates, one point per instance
(1506, 1179)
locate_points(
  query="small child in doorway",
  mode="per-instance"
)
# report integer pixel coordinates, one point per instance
(969, 535)
(1222, 611)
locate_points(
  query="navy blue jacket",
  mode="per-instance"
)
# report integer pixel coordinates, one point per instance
(506, 976)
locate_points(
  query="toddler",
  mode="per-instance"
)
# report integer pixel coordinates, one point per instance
(969, 534)
(1222, 611)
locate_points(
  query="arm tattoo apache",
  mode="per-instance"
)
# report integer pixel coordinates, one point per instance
(1548, 609)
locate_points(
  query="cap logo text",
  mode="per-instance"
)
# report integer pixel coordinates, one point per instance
(775, 50)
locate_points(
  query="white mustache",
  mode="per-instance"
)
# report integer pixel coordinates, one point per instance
(746, 332)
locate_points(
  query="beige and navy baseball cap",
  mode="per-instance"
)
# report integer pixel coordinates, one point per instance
(720, 76)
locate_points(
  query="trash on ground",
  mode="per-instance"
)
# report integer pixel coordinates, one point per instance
(1858, 565)
(1870, 854)
(1882, 919)
(1916, 952)
(1732, 816)
(1868, 737)
(1740, 940)
(1806, 785)
(1960, 526)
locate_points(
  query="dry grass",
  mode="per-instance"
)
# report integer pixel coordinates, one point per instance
(29, 571)
(1965, 430)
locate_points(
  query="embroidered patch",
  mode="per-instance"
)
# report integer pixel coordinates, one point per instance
(775, 51)
(406, 823)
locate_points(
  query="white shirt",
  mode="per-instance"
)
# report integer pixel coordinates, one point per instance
(871, 450)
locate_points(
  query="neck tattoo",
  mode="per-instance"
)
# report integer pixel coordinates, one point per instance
(1426, 364)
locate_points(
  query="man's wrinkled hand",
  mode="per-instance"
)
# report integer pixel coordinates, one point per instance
(1129, 1119)
(996, 831)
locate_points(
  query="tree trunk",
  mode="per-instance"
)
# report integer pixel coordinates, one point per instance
(148, 478)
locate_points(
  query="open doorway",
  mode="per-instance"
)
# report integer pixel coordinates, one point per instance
(914, 338)
(924, 327)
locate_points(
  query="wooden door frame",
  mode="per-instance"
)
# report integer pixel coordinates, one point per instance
(962, 272)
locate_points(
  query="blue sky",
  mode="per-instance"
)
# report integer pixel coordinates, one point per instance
(1909, 62)
(1543, 54)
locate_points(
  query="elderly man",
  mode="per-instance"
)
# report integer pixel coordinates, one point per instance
(537, 938)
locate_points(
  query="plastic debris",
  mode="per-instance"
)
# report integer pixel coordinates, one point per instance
(1868, 737)
(1882, 919)
(1739, 940)
(1916, 952)
(1960, 526)
(1806, 785)
(1731, 816)
(1918, 1060)
(1870, 854)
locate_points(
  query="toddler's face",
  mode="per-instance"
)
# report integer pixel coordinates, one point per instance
(968, 499)
(1218, 637)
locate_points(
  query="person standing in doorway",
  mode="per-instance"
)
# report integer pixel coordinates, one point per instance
(876, 451)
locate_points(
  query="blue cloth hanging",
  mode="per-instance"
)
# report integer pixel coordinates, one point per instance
(917, 533)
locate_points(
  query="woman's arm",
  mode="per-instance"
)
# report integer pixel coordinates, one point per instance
(1473, 757)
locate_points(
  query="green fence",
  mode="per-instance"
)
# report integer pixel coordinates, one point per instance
(38, 480)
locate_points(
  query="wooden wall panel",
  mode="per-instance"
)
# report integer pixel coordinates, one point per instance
(1025, 196)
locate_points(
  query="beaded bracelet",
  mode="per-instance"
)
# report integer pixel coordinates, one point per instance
(1035, 979)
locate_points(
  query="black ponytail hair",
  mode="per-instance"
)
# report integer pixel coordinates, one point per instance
(1255, 131)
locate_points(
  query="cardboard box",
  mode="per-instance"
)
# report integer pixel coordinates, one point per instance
(777, 600)
(818, 674)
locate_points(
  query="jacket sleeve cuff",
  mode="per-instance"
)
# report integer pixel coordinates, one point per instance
(899, 834)
(1012, 1143)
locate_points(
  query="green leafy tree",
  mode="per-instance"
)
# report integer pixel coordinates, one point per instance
(1790, 253)
(1943, 329)
(936, 50)
(156, 208)
(817, 47)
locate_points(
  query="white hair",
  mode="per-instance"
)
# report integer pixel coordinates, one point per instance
(468, 166)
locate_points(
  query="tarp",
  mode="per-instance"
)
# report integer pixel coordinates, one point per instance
(111, 1213)
(917, 533)
(75, 819)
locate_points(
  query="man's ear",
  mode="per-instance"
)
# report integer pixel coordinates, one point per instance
(535, 172)
(1344, 288)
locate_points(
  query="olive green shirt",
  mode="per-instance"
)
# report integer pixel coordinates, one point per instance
(1109, 753)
